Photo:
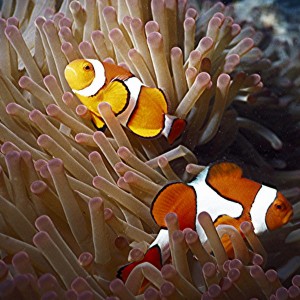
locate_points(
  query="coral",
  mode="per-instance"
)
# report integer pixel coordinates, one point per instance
(75, 202)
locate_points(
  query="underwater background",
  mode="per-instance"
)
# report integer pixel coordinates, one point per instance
(75, 203)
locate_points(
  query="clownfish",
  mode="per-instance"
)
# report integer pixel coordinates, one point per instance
(140, 108)
(229, 198)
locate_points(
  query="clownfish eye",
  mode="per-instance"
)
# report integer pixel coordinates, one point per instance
(87, 67)
(280, 206)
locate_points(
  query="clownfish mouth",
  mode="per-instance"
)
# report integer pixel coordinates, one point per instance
(287, 217)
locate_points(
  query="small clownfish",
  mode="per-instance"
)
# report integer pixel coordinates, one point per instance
(229, 198)
(140, 108)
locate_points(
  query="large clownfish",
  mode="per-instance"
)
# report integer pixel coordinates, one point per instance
(140, 108)
(229, 198)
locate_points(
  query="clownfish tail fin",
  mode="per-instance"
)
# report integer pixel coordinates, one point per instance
(174, 128)
(152, 256)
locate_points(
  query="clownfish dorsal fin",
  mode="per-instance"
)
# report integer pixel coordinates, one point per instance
(179, 198)
(221, 170)
(227, 180)
(113, 71)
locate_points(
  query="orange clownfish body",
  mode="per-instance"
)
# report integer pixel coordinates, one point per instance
(229, 198)
(140, 108)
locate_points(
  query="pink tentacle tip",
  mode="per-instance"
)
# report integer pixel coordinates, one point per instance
(282, 293)
(116, 35)
(66, 47)
(12, 156)
(39, 21)
(234, 274)
(97, 181)
(162, 161)
(46, 280)
(49, 27)
(191, 237)
(130, 177)
(189, 23)
(38, 164)
(223, 80)
(171, 218)
(65, 22)
(246, 227)
(151, 294)
(38, 187)
(96, 203)
(26, 156)
(50, 80)
(36, 116)
(12, 32)
(81, 110)
(85, 259)
(86, 295)
(108, 214)
(41, 239)
(136, 23)
(52, 110)
(296, 280)
(176, 53)
(123, 152)
(55, 165)
(99, 136)
(178, 236)
(97, 34)
(44, 140)
(167, 289)
(214, 290)
(203, 79)
(209, 269)
(116, 285)
(12, 108)
(20, 258)
(75, 6)
(21, 281)
(121, 183)
(109, 12)
(79, 284)
(65, 31)
(84, 46)
(42, 222)
(93, 156)
(168, 271)
(135, 254)
(155, 39)
(24, 82)
(50, 295)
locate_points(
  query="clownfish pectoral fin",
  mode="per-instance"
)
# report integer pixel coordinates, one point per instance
(179, 198)
(117, 95)
(152, 256)
(148, 116)
(174, 128)
(98, 122)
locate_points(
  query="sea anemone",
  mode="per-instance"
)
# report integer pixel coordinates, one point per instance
(75, 203)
